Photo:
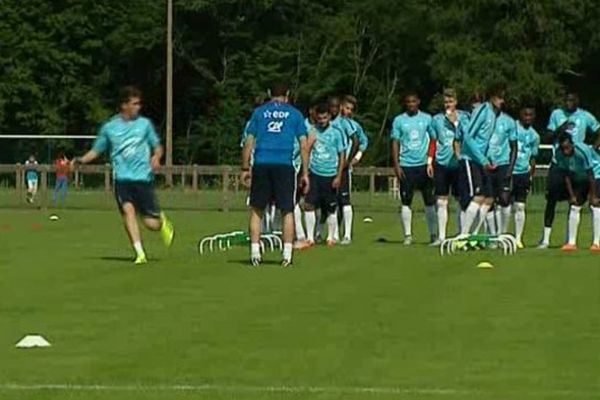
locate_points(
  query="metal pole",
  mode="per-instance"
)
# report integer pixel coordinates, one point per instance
(169, 144)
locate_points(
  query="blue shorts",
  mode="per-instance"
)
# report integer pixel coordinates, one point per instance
(139, 194)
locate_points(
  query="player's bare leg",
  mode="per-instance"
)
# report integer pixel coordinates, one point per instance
(133, 231)
(163, 225)
(256, 216)
(288, 238)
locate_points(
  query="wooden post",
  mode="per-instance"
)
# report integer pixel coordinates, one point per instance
(107, 178)
(225, 177)
(77, 178)
(44, 186)
(371, 186)
(195, 178)
(18, 181)
(183, 177)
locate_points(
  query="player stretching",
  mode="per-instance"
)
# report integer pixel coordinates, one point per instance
(410, 146)
(31, 175)
(135, 153)
(348, 108)
(528, 142)
(577, 122)
(446, 129)
(326, 168)
(502, 152)
(273, 129)
(475, 164)
(574, 160)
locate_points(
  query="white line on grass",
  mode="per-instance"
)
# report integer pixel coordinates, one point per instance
(67, 387)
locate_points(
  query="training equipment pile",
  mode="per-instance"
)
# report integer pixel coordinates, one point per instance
(462, 243)
(225, 241)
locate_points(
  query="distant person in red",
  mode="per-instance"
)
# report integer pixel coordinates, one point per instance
(62, 165)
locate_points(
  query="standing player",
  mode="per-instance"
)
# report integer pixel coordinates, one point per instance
(135, 153)
(446, 128)
(528, 142)
(273, 129)
(595, 201)
(348, 108)
(326, 168)
(410, 146)
(574, 160)
(477, 195)
(61, 185)
(31, 175)
(578, 123)
(502, 152)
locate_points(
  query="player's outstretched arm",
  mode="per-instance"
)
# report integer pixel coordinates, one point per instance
(85, 159)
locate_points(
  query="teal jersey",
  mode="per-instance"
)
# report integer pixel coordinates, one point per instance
(324, 157)
(505, 131)
(579, 164)
(476, 138)
(130, 144)
(595, 157)
(363, 139)
(528, 143)
(31, 168)
(413, 133)
(580, 122)
(445, 133)
(348, 130)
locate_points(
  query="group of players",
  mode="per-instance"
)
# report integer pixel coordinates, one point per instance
(484, 158)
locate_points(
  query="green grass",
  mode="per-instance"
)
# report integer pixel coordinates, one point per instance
(372, 321)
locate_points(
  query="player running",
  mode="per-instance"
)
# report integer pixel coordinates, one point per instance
(574, 161)
(446, 128)
(327, 157)
(528, 141)
(135, 153)
(273, 129)
(348, 108)
(31, 176)
(411, 135)
(478, 196)
(577, 122)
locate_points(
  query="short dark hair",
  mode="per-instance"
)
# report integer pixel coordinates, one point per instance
(565, 137)
(527, 106)
(497, 89)
(410, 93)
(279, 90)
(350, 100)
(322, 108)
(127, 93)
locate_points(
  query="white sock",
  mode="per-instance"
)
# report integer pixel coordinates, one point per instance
(596, 225)
(332, 226)
(505, 219)
(311, 220)
(490, 221)
(348, 215)
(431, 220)
(547, 233)
(470, 215)
(139, 249)
(407, 220)
(287, 251)
(442, 217)
(255, 250)
(519, 221)
(574, 218)
(462, 220)
(483, 212)
(300, 235)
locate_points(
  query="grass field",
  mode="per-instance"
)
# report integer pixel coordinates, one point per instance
(372, 321)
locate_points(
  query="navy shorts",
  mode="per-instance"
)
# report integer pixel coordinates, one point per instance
(273, 182)
(321, 194)
(556, 189)
(415, 178)
(521, 186)
(345, 188)
(474, 181)
(501, 184)
(139, 194)
(445, 180)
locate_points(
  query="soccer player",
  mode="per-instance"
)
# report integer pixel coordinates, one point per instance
(348, 108)
(411, 135)
(327, 158)
(478, 197)
(446, 128)
(502, 152)
(528, 141)
(577, 122)
(574, 160)
(273, 129)
(61, 185)
(31, 175)
(595, 201)
(135, 153)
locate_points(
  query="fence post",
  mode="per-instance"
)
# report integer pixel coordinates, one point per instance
(107, 178)
(77, 177)
(183, 178)
(18, 181)
(371, 186)
(225, 177)
(195, 178)
(44, 186)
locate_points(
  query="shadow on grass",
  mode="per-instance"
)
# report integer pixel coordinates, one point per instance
(128, 260)
(246, 263)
